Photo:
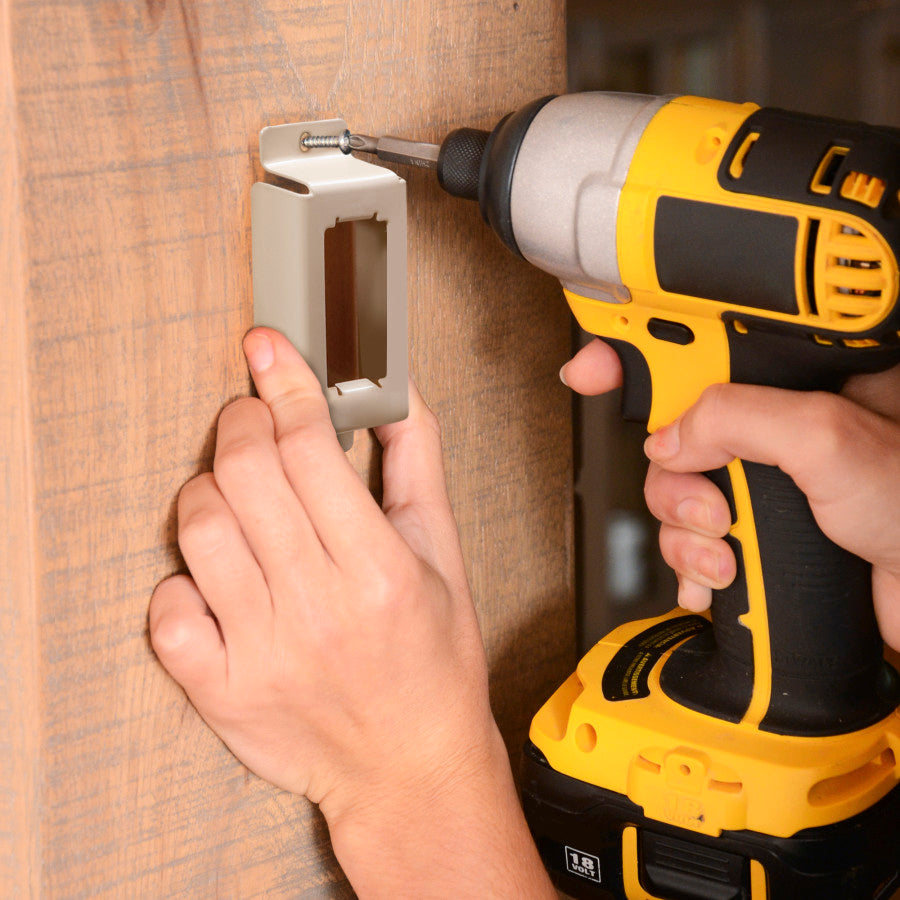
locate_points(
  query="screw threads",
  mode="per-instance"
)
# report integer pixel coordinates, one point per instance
(315, 141)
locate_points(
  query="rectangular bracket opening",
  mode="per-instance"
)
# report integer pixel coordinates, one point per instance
(356, 301)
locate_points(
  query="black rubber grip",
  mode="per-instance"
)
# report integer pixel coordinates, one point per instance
(478, 165)
(498, 167)
(459, 162)
(828, 675)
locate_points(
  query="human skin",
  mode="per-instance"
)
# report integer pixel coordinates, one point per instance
(843, 452)
(333, 645)
(317, 633)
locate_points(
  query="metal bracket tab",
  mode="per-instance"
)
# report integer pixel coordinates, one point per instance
(295, 266)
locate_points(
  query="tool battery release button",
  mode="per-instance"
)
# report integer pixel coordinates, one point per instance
(676, 869)
(673, 332)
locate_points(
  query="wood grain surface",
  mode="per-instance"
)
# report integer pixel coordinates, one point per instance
(19, 678)
(128, 145)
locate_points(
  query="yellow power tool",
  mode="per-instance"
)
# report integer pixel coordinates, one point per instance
(755, 752)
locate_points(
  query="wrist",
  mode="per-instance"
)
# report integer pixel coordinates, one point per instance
(457, 831)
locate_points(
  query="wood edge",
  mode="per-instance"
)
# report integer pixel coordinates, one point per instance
(19, 676)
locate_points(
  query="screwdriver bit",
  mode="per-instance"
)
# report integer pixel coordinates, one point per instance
(389, 149)
(398, 150)
(457, 159)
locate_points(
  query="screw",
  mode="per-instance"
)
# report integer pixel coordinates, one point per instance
(312, 141)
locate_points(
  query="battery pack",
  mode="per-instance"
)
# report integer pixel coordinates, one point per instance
(598, 844)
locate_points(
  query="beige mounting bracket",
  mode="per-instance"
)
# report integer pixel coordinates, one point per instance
(329, 271)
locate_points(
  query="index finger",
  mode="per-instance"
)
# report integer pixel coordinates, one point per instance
(337, 502)
(594, 369)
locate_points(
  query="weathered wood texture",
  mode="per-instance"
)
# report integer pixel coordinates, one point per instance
(128, 144)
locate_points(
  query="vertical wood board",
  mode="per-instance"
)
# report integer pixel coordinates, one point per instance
(19, 714)
(129, 147)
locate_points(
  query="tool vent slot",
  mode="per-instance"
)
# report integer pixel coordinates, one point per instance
(812, 241)
(826, 172)
(736, 169)
(874, 772)
(848, 274)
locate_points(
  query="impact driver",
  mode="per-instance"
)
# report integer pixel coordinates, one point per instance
(755, 752)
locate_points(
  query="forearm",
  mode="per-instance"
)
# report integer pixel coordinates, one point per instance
(463, 837)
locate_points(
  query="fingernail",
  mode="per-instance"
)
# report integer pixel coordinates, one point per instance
(708, 518)
(709, 565)
(719, 520)
(663, 444)
(259, 351)
(693, 512)
(562, 375)
(706, 564)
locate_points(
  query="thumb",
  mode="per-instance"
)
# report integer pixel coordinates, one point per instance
(843, 457)
(739, 421)
(415, 498)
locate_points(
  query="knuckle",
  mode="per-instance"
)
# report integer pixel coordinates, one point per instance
(239, 461)
(203, 529)
(303, 423)
(709, 408)
(300, 405)
(393, 584)
(664, 491)
(246, 412)
(169, 635)
(702, 419)
(821, 408)
(169, 632)
(829, 427)
(670, 545)
(654, 491)
(384, 585)
(193, 491)
(676, 545)
(302, 443)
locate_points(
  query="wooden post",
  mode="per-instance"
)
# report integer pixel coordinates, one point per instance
(128, 144)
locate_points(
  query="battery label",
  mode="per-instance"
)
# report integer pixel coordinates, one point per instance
(627, 677)
(584, 865)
